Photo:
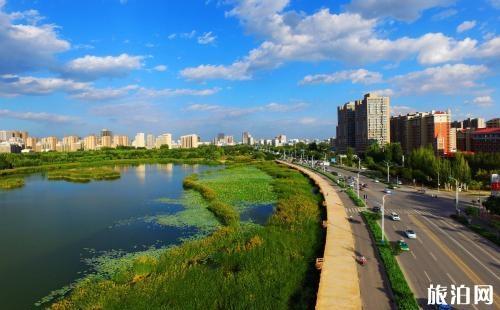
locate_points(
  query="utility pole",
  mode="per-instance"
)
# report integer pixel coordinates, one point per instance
(388, 165)
(359, 165)
(438, 179)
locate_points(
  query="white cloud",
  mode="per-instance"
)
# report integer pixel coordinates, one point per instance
(38, 116)
(172, 36)
(401, 110)
(466, 25)
(94, 67)
(203, 107)
(14, 85)
(188, 35)
(160, 68)
(495, 3)
(207, 38)
(168, 92)
(383, 92)
(355, 76)
(30, 46)
(409, 10)
(447, 79)
(483, 101)
(445, 14)
(307, 120)
(102, 94)
(279, 107)
(346, 37)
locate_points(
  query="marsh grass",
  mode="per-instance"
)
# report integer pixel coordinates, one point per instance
(84, 175)
(236, 267)
(11, 183)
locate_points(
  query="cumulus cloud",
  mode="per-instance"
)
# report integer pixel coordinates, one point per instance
(409, 10)
(14, 85)
(447, 79)
(483, 101)
(466, 25)
(203, 107)
(38, 116)
(273, 107)
(108, 93)
(346, 37)
(29, 45)
(383, 92)
(169, 92)
(94, 67)
(401, 110)
(355, 76)
(207, 38)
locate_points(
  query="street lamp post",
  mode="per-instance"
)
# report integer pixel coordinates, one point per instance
(383, 215)
(456, 195)
(388, 165)
(358, 183)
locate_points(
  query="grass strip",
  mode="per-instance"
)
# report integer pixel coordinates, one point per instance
(403, 295)
(11, 183)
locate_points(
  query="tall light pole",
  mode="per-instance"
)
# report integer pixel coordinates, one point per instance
(456, 195)
(359, 165)
(358, 183)
(388, 165)
(383, 215)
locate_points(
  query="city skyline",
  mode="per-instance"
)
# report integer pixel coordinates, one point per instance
(258, 66)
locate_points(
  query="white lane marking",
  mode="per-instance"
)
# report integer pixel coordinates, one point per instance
(427, 276)
(433, 257)
(420, 240)
(496, 260)
(464, 249)
(413, 254)
(452, 280)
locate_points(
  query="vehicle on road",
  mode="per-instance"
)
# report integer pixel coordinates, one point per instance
(364, 185)
(400, 183)
(403, 246)
(387, 191)
(410, 234)
(395, 216)
(443, 307)
(361, 259)
(376, 209)
(376, 181)
(434, 196)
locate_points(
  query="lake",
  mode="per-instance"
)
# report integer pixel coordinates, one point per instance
(47, 228)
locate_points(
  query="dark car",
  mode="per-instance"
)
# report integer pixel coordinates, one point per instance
(376, 209)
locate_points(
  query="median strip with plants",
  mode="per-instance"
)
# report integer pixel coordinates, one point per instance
(403, 295)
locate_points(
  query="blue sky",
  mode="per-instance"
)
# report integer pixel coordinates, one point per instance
(264, 66)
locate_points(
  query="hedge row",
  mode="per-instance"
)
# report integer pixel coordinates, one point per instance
(403, 295)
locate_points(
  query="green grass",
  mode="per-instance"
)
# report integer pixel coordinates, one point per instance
(403, 295)
(236, 267)
(11, 183)
(84, 175)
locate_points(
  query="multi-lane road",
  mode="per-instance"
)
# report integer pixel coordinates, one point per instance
(445, 252)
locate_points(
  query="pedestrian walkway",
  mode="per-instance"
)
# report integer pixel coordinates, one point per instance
(339, 283)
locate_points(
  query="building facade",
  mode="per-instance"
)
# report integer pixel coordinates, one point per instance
(190, 141)
(493, 123)
(346, 126)
(372, 121)
(164, 139)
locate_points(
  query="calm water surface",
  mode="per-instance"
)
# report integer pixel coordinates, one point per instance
(47, 227)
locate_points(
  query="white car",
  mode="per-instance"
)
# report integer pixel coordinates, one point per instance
(410, 234)
(395, 216)
(387, 191)
(376, 181)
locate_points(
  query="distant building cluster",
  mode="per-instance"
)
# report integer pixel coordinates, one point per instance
(13, 141)
(366, 121)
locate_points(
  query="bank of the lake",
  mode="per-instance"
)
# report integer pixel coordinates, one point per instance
(54, 232)
(239, 265)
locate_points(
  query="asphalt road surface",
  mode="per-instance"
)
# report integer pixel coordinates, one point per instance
(445, 252)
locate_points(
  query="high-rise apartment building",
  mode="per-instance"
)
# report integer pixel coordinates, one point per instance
(120, 140)
(473, 123)
(13, 135)
(164, 139)
(346, 126)
(372, 121)
(90, 143)
(30, 143)
(150, 141)
(70, 144)
(246, 138)
(420, 129)
(106, 141)
(139, 140)
(106, 133)
(49, 143)
(189, 141)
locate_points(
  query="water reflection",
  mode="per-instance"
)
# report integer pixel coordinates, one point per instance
(140, 173)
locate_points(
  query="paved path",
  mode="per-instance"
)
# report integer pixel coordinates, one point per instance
(339, 283)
